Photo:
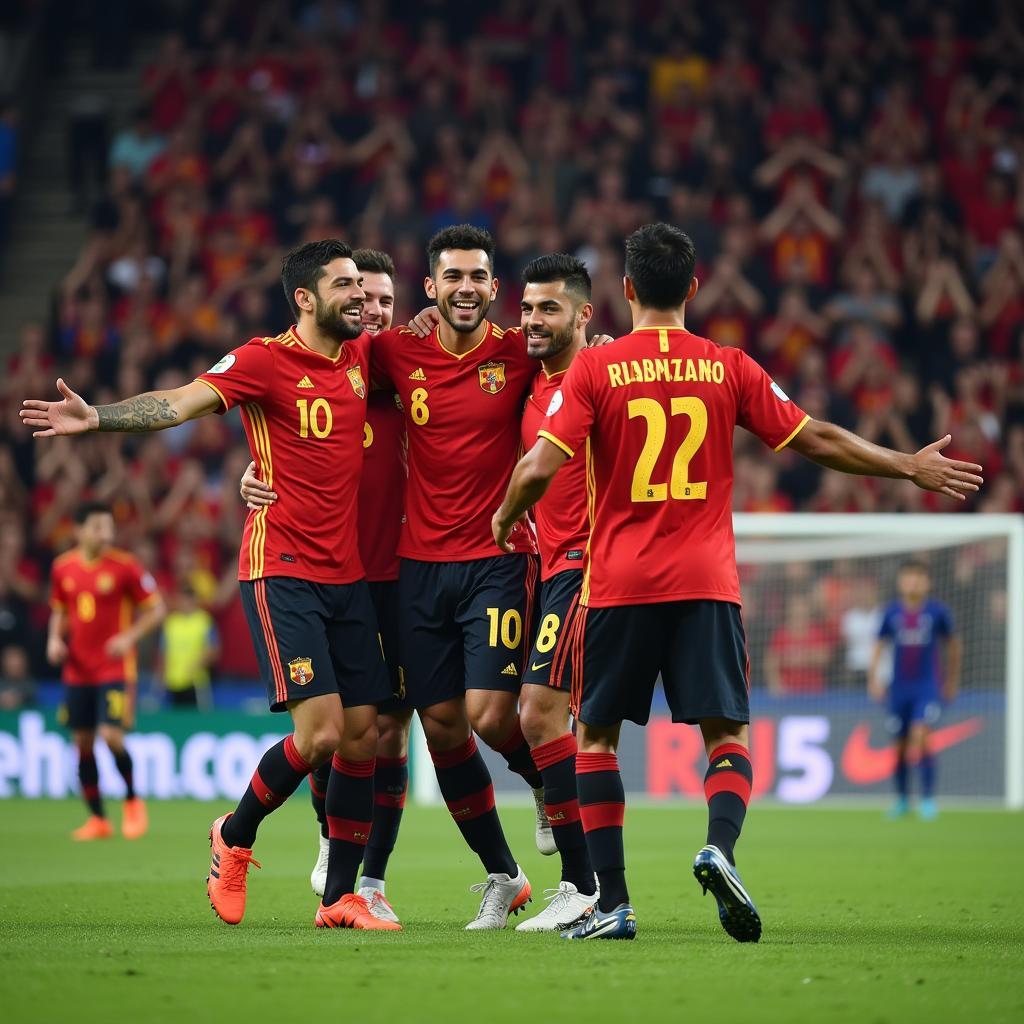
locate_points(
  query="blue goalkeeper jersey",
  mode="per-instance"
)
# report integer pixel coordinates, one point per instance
(916, 639)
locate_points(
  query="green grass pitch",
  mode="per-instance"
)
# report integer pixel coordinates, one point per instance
(865, 920)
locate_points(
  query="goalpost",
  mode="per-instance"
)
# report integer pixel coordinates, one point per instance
(813, 589)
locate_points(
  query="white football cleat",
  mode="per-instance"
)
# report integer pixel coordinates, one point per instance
(502, 895)
(545, 835)
(378, 904)
(566, 905)
(318, 877)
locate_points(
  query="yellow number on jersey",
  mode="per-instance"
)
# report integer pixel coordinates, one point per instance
(511, 625)
(419, 411)
(86, 606)
(679, 487)
(317, 417)
(367, 435)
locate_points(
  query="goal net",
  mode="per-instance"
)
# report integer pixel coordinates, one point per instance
(814, 587)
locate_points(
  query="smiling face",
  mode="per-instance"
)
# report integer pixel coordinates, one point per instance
(463, 286)
(337, 301)
(379, 304)
(549, 318)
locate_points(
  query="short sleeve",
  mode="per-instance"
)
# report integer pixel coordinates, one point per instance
(139, 584)
(570, 413)
(886, 630)
(764, 408)
(56, 597)
(243, 375)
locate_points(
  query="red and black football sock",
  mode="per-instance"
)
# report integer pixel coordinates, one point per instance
(465, 784)
(277, 776)
(124, 766)
(516, 752)
(390, 785)
(602, 809)
(727, 788)
(89, 779)
(556, 760)
(349, 816)
(318, 793)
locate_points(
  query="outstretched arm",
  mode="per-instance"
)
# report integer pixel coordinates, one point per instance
(156, 410)
(530, 479)
(835, 448)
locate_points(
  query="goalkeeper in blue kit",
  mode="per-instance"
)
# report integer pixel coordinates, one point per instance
(917, 628)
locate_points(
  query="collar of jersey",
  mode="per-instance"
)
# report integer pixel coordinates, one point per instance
(552, 376)
(673, 327)
(456, 355)
(293, 331)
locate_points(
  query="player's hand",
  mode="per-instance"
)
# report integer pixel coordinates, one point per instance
(71, 415)
(56, 650)
(119, 645)
(255, 493)
(425, 321)
(934, 472)
(501, 532)
(599, 339)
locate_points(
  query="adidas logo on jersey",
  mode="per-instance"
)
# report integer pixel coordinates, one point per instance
(510, 670)
(304, 383)
(418, 374)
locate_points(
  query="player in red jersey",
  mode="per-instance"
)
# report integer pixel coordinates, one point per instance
(95, 592)
(464, 612)
(556, 309)
(661, 592)
(303, 397)
(381, 492)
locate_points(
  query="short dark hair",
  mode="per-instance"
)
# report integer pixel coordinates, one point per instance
(304, 266)
(91, 508)
(915, 565)
(373, 261)
(559, 266)
(660, 261)
(460, 236)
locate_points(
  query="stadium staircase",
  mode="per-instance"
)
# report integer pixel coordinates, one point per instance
(47, 232)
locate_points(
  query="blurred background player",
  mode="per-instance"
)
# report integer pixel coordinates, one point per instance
(914, 628)
(103, 602)
(189, 647)
(381, 504)
(659, 408)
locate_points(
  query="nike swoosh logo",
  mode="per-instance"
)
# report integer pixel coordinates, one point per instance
(537, 668)
(864, 765)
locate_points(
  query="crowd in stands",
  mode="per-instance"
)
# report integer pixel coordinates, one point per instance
(852, 174)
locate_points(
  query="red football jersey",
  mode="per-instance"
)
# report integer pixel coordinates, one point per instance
(382, 488)
(660, 406)
(463, 416)
(304, 415)
(100, 599)
(563, 524)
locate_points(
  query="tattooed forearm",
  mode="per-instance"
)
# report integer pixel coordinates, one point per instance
(144, 412)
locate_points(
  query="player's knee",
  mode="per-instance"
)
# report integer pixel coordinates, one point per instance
(492, 725)
(540, 719)
(445, 726)
(392, 737)
(319, 743)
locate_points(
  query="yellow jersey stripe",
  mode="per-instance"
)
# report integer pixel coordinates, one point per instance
(800, 426)
(261, 441)
(216, 390)
(558, 444)
(591, 505)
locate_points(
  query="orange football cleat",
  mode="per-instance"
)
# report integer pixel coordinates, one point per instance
(135, 820)
(352, 911)
(225, 884)
(95, 828)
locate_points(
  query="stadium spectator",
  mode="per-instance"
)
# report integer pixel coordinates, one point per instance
(799, 651)
(17, 687)
(189, 647)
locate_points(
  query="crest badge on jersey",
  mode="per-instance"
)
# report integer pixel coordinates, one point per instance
(355, 378)
(301, 670)
(492, 377)
(105, 583)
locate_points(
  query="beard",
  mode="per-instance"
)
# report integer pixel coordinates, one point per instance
(332, 322)
(463, 326)
(554, 343)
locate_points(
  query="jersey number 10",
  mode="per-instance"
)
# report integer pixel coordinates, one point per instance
(680, 487)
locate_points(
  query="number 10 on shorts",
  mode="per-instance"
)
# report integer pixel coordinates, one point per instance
(509, 624)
